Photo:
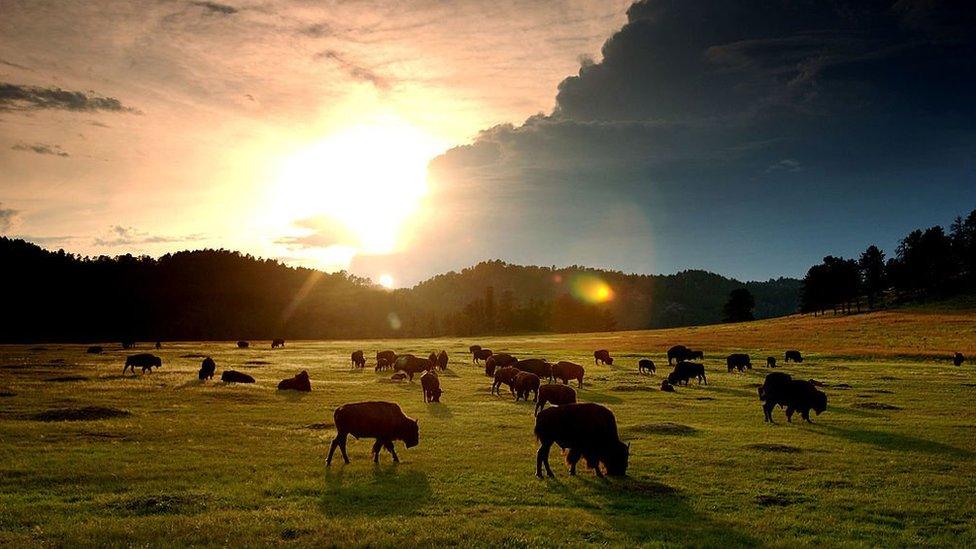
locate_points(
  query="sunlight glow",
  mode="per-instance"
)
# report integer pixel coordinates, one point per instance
(590, 289)
(386, 281)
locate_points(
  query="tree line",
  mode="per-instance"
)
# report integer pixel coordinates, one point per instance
(929, 263)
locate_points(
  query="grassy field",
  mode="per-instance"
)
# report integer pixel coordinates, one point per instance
(891, 462)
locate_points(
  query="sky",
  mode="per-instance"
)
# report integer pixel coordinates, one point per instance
(401, 140)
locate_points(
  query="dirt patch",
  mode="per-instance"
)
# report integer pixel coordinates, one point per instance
(876, 406)
(161, 504)
(666, 428)
(775, 500)
(194, 355)
(631, 388)
(320, 426)
(88, 413)
(63, 379)
(775, 448)
(257, 362)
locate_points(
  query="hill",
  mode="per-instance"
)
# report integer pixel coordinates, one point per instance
(220, 295)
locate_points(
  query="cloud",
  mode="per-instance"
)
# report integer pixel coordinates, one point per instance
(18, 97)
(215, 8)
(355, 71)
(119, 235)
(41, 148)
(8, 218)
(319, 232)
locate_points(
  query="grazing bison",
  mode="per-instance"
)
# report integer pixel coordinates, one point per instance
(358, 359)
(432, 358)
(389, 356)
(794, 394)
(298, 383)
(233, 376)
(207, 369)
(243, 344)
(525, 383)
(666, 386)
(411, 365)
(678, 353)
(159, 344)
(603, 356)
(382, 364)
(565, 371)
(399, 376)
(738, 361)
(431, 386)
(275, 343)
(684, 371)
(793, 356)
(145, 361)
(588, 431)
(474, 349)
(498, 361)
(383, 421)
(481, 354)
(553, 393)
(699, 355)
(770, 362)
(506, 375)
(128, 344)
(537, 366)
(442, 361)
(958, 359)
(95, 350)
(646, 364)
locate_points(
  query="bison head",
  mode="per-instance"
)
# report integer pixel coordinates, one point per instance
(615, 459)
(819, 402)
(411, 436)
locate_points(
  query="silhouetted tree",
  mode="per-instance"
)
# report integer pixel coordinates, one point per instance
(963, 237)
(873, 275)
(739, 306)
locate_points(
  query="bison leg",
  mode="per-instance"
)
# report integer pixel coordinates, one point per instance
(768, 411)
(338, 442)
(376, 450)
(539, 405)
(805, 414)
(535, 396)
(789, 414)
(572, 458)
(495, 386)
(580, 382)
(390, 448)
(542, 458)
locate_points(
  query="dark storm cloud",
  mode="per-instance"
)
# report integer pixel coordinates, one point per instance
(354, 70)
(8, 217)
(737, 129)
(41, 148)
(18, 97)
(215, 8)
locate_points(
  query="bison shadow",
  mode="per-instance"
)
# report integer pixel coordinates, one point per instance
(292, 396)
(896, 441)
(439, 410)
(385, 489)
(600, 398)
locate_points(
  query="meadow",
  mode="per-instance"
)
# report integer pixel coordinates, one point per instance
(891, 462)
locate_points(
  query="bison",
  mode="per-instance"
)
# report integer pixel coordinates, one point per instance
(382, 364)
(795, 394)
(793, 356)
(95, 350)
(666, 386)
(498, 361)
(411, 365)
(233, 376)
(506, 375)
(432, 358)
(525, 383)
(770, 362)
(388, 356)
(738, 361)
(431, 386)
(358, 359)
(958, 359)
(298, 383)
(565, 371)
(588, 431)
(128, 344)
(474, 348)
(603, 356)
(678, 353)
(646, 364)
(692, 355)
(684, 371)
(145, 361)
(384, 421)
(159, 345)
(481, 354)
(243, 344)
(553, 393)
(537, 366)
(275, 343)
(207, 369)
(442, 361)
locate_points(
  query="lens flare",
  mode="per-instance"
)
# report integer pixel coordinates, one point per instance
(590, 288)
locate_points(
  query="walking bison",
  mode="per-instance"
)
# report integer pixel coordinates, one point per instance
(505, 375)
(145, 361)
(795, 394)
(565, 371)
(384, 421)
(525, 383)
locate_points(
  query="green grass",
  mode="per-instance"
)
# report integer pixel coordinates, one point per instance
(215, 464)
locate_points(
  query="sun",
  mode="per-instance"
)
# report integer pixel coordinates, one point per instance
(357, 187)
(386, 281)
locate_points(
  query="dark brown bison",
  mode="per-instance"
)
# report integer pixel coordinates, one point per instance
(795, 394)
(431, 386)
(207, 369)
(384, 421)
(159, 344)
(553, 393)
(696, 355)
(684, 371)
(474, 348)
(498, 361)
(388, 356)
(300, 382)
(958, 359)
(145, 361)
(506, 375)
(666, 386)
(537, 366)
(358, 359)
(243, 344)
(565, 371)
(481, 354)
(678, 353)
(646, 364)
(793, 356)
(382, 364)
(233, 376)
(411, 365)
(603, 356)
(588, 431)
(525, 383)
(275, 343)
(738, 361)
(95, 350)
(432, 357)
(770, 362)
(442, 361)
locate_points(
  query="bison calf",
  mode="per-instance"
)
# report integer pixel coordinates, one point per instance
(431, 386)
(525, 383)
(588, 431)
(646, 364)
(384, 421)
(554, 394)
